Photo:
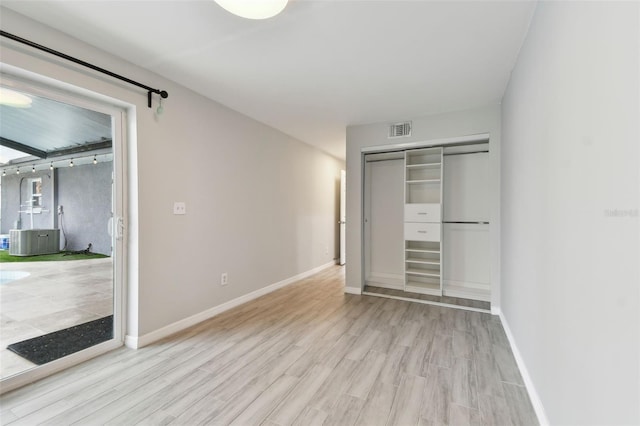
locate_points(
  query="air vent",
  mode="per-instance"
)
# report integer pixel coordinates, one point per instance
(398, 130)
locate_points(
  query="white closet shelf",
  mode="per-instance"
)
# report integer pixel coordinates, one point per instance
(423, 261)
(424, 166)
(422, 251)
(424, 288)
(424, 272)
(424, 181)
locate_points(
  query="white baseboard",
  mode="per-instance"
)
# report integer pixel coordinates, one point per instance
(467, 290)
(353, 290)
(146, 339)
(533, 394)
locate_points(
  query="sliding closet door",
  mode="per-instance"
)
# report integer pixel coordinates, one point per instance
(384, 223)
(466, 246)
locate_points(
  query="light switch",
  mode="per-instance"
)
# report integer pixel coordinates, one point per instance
(179, 207)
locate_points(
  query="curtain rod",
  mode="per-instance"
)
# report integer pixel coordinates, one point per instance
(163, 93)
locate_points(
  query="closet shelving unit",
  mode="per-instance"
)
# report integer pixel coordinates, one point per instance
(422, 221)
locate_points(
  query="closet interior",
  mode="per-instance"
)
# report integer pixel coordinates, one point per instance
(427, 223)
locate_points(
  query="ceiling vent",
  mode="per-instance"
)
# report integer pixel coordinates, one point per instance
(398, 130)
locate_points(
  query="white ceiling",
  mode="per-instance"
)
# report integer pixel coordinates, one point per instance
(320, 65)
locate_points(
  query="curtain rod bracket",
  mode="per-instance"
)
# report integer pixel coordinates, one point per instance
(150, 90)
(163, 94)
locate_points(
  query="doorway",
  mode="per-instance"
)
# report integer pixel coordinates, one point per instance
(443, 239)
(61, 207)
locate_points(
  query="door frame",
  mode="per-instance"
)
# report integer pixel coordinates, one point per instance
(391, 148)
(343, 217)
(63, 92)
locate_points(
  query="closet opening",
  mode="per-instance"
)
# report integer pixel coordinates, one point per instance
(426, 224)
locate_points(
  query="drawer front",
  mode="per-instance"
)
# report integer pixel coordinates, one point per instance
(422, 213)
(421, 231)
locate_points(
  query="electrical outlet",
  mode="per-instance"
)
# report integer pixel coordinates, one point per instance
(179, 207)
(224, 279)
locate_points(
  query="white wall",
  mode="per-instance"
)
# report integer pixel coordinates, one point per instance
(570, 263)
(448, 125)
(261, 206)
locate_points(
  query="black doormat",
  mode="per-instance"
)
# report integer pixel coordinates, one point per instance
(52, 346)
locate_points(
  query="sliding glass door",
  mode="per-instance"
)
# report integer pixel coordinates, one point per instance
(61, 229)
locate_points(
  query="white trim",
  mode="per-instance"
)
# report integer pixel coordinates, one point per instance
(533, 394)
(426, 302)
(467, 290)
(353, 290)
(480, 137)
(146, 339)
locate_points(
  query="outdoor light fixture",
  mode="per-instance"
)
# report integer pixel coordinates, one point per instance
(18, 171)
(51, 166)
(33, 169)
(4, 173)
(253, 9)
(71, 163)
(14, 99)
(95, 160)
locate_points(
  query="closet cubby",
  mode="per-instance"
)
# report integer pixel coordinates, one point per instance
(422, 216)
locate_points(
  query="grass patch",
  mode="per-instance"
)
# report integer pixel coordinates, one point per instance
(57, 257)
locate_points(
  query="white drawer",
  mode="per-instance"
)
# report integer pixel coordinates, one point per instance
(422, 212)
(421, 231)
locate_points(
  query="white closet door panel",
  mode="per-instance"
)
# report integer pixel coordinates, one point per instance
(387, 219)
(466, 188)
(466, 257)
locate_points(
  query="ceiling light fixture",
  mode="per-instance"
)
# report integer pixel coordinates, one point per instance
(253, 9)
(14, 99)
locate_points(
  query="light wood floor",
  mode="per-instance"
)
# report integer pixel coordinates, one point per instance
(306, 355)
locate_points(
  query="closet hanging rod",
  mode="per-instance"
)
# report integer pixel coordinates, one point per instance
(467, 223)
(465, 153)
(384, 159)
(150, 90)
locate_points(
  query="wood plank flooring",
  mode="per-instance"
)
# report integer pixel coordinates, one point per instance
(306, 354)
